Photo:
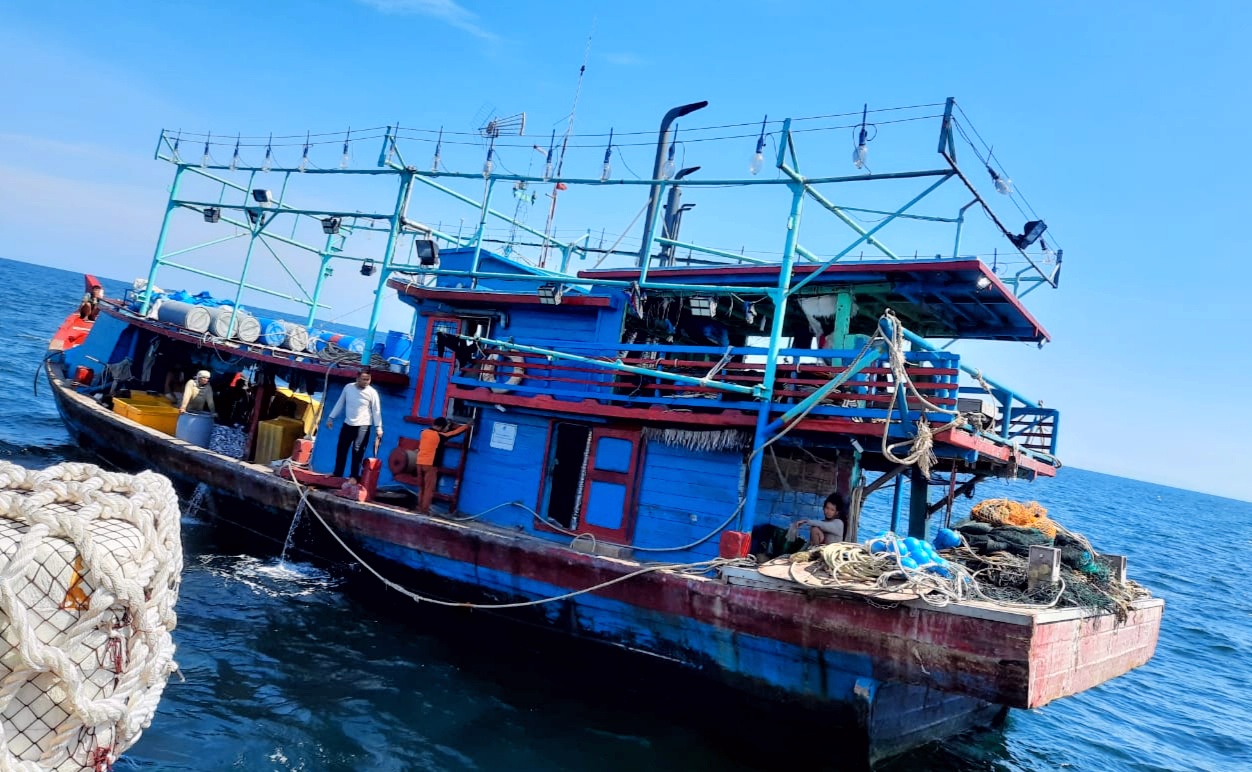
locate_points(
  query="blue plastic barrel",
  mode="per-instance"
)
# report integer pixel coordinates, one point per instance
(397, 346)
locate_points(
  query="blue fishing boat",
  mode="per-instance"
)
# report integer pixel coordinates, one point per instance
(643, 436)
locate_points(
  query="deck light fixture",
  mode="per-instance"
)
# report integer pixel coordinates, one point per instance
(262, 196)
(234, 159)
(861, 152)
(212, 214)
(758, 160)
(206, 159)
(434, 163)
(982, 283)
(608, 158)
(1029, 235)
(550, 294)
(269, 155)
(547, 164)
(368, 267)
(1004, 185)
(304, 159)
(253, 216)
(703, 305)
(346, 160)
(427, 251)
(667, 171)
(330, 225)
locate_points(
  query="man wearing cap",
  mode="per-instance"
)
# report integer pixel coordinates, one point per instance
(361, 409)
(198, 394)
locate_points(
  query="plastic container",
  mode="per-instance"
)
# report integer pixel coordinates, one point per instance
(397, 346)
(196, 428)
(84, 375)
(345, 342)
(275, 438)
(162, 417)
(185, 315)
(283, 334)
(247, 328)
(301, 451)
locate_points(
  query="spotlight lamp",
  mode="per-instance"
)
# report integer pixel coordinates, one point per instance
(368, 268)
(1029, 235)
(427, 251)
(550, 294)
(703, 305)
(212, 214)
(254, 216)
(330, 225)
(262, 196)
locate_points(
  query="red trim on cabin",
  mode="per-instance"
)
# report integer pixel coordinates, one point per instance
(249, 351)
(737, 418)
(625, 479)
(486, 296)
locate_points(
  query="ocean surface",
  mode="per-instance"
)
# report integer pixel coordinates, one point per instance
(300, 667)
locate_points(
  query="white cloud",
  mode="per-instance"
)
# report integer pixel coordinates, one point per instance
(447, 11)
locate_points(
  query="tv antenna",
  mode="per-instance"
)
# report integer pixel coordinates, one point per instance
(493, 128)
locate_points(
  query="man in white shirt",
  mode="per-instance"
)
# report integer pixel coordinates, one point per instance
(361, 409)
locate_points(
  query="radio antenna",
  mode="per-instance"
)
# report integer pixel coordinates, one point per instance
(569, 129)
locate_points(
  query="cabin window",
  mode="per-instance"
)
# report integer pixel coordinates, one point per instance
(436, 366)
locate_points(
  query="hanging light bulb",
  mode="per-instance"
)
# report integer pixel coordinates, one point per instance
(861, 151)
(174, 155)
(205, 160)
(1003, 185)
(434, 162)
(304, 159)
(608, 156)
(391, 145)
(488, 165)
(547, 164)
(758, 159)
(234, 159)
(667, 171)
(346, 160)
(269, 155)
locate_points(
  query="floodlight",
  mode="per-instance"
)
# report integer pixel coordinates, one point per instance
(330, 226)
(367, 268)
(262, 196)
(550, 294)
(427, 251)
(1030, 234)
(703, 305)
(212, 214)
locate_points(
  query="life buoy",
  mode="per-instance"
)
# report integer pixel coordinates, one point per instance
(488, 372)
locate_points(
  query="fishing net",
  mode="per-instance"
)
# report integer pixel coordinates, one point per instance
(89, 570)
(1013, 513)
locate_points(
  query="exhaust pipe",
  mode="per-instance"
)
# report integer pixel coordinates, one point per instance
(662, 146)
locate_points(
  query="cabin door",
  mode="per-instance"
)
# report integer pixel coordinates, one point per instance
(433, 370)
(608, 502)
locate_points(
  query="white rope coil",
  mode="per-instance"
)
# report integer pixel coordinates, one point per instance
(90, 563)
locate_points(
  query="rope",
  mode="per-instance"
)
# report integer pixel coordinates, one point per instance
(696, 567)
(112, 541)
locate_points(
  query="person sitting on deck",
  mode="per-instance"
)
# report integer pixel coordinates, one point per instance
(832, 527)
(89, 309)
(427, 451)
(198, 394)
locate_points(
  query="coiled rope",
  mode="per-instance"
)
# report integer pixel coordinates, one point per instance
(94, 560)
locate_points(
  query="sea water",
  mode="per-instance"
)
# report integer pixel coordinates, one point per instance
(295, 667)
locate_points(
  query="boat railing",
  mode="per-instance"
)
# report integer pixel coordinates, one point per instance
(699, 377)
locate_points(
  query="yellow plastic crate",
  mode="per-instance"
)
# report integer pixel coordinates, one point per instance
(307, 410)
(143, 398)
(163, 416)
(275, 438)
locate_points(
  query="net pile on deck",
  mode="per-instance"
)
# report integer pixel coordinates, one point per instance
(985, 559)
(90, 563)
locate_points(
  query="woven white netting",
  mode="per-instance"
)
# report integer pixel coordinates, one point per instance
(90, 562)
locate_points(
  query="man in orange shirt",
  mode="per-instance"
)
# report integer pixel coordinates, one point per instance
(427, 449)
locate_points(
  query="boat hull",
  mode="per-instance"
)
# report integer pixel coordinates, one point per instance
(902, 675)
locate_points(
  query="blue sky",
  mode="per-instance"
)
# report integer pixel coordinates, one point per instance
(1125, 125)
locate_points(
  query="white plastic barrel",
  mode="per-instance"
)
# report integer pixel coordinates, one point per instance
(196, 428)
(186, 315)
(247, 328)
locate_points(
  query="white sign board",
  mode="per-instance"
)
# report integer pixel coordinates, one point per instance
(503, 436)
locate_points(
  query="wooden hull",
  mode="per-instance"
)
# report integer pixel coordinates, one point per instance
(905, 675)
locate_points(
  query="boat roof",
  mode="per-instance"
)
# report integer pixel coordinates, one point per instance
(936, 297)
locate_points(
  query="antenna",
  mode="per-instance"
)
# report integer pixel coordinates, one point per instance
(493, 128)
(569, 129)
